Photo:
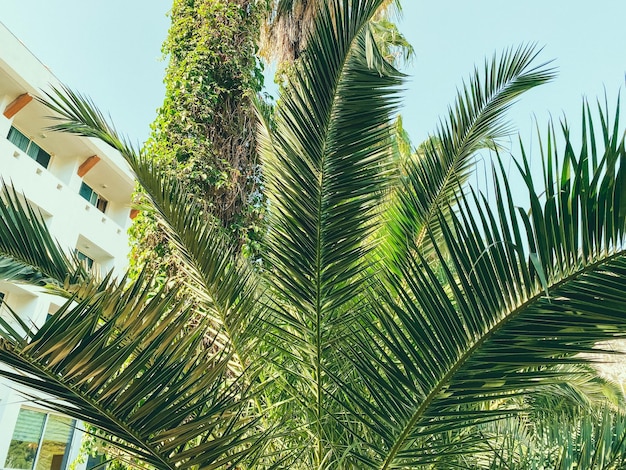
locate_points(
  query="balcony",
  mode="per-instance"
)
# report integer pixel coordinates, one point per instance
(70, 214)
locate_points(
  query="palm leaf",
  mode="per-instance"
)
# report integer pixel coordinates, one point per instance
(326, 161)
(221, 279)
(125, 360)
(28, 253)
(199, 414)
(445, 160)
(489, 330)
(598, 443)
(594, 440)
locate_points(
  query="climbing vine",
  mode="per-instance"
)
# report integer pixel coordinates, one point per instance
(205, 134)
(205, 129)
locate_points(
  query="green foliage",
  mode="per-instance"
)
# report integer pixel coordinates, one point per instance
(96, 443)
(286, 31)
(592, 439)
(205, 129)
(339, 354)
(204, 133)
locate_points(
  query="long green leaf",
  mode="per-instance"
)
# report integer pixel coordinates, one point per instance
(433, 176)
(485, 331)
(326, 164)
(127, 361)
(28, 253)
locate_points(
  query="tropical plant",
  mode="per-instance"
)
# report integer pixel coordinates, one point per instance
(205, 129)
(285, 33)
(590, 440)
(398, 311)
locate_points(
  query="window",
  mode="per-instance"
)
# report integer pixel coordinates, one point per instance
(84, 258)
(93, 197)
(51, 311)
(96, 461)
(31, 149)
(41, 441)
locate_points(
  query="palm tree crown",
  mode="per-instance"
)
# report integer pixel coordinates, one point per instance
(398, 314)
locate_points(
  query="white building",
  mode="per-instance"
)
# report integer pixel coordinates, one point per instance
(83, 189)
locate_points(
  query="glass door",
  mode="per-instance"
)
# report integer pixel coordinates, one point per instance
(41, 441)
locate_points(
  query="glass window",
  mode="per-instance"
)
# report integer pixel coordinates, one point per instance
(25, 441)
(55, 444)
(33, 150)
(40, 441)
(38, 154)
(93, 197)
(101, 204)
(87, 193)
(83, 257)
(18, 139)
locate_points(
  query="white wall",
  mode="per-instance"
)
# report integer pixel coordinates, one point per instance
(73, 221)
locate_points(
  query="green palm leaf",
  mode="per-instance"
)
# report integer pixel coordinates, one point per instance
(598, 443)
(595, 439)
(28, 253)
(444, 162)
(185, 403)
(326, 161)
(126, 360)
(488, 331)
(223, 281)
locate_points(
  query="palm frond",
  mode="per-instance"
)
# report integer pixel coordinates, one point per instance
(596, 443)
(132, 364)
(326, 161)
(522, 291)
(443, 162)
(595, 440)
(220, 278)
(28, 253)
(125, 360)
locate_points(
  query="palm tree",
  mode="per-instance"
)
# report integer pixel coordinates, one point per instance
(397, 311)
(285, 33)
(569, 426)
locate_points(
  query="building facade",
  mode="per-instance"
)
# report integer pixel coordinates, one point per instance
(83, 190)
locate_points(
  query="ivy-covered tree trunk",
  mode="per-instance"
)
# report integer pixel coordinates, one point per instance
(206, 127)
(205, 132)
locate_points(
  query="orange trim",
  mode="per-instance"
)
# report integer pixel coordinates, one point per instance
(87, 165)
(134, 213)
(17, 104)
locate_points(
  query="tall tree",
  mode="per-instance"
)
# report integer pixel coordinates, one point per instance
(205, 133)
(287, 29)
(205, 130)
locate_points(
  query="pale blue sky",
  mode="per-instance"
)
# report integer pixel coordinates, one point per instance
(107, 49)
(110, 50)
(587, 41)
